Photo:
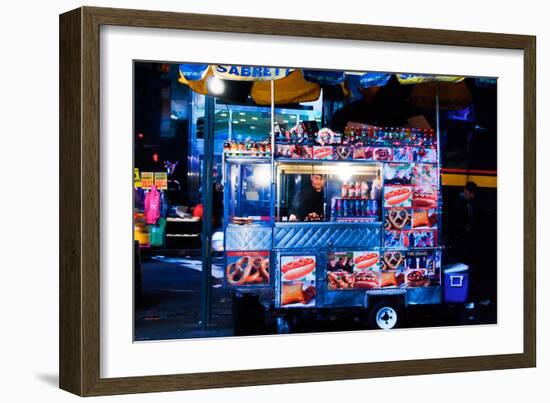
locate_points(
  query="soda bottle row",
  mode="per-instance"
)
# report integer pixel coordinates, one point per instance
(354, 189)
(247, 147)
(353, 208)
(367, 135)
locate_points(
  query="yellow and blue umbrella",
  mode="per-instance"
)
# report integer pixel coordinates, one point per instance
(429, 91)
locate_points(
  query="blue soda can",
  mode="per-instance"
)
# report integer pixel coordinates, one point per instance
(364, 208)
(345, 208)
(374, 207)
(333, 209)
(357, 207)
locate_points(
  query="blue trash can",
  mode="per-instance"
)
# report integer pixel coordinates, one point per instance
(455, 283)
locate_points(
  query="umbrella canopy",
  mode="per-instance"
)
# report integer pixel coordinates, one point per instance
(451, 90)
(290, 86)
(304, 85)
(288, 90)
(451, 96)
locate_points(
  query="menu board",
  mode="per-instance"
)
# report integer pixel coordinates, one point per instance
(387, 269)
(298, 288)
(146, 180)
(161, 180)
(247, 268)
(353, 270)
(410, 203)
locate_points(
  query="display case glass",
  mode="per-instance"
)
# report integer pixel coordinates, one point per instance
(328, 191)
(248, 191)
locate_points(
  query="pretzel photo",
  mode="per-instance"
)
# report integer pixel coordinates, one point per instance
(248, 270)
(237, 273)
(392, 260)
(399, 217)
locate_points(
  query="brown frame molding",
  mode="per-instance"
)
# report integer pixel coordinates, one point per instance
(79, 200)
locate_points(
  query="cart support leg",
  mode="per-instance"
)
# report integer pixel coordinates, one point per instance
(208, 162)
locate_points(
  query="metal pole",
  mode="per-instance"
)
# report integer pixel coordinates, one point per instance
(207, 182)
(437, 130)
(230, 125)
(439, 195)
(272, 132)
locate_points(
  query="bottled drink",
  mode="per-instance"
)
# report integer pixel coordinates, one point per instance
(333, 204)
(374, 208)
(351, 192)
(338, 207)
(345, 189)
(358, 207)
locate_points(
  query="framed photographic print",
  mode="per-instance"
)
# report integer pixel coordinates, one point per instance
(241, 197)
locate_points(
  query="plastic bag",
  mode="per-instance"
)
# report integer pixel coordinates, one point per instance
(151, 206)
(156, 233)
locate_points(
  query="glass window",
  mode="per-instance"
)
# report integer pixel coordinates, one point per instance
(328, 192)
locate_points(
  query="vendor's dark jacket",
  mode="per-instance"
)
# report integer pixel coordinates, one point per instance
(308, 200)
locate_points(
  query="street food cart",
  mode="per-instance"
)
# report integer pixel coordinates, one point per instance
(371, 239)
(315, 219)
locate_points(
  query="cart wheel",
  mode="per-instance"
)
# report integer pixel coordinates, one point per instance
(283, 324)
(385, 315)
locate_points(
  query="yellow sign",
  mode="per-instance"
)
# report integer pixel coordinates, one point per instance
(137, 180)
(146, 180)
(250, 73)
(161, 180)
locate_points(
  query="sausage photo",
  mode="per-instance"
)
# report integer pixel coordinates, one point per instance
(397, 196)
(365, 261)
(297, 269)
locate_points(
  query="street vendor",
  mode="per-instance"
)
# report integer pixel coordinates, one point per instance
(308, 204)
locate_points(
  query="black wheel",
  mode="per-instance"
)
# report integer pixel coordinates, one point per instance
(386, 315)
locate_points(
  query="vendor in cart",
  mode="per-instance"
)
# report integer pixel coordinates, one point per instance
(308, 204)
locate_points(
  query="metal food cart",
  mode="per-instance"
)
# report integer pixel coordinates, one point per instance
(367, 250)
(388, 236)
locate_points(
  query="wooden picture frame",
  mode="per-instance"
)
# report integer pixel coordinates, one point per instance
(80, 187)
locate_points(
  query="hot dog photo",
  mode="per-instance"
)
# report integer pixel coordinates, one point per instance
(397, 196)
(366, 260)
(298, 280)
(322, 152)
(424, 197)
